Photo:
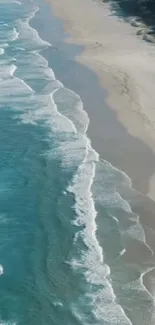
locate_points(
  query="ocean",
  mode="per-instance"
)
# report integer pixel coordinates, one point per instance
(58, 265)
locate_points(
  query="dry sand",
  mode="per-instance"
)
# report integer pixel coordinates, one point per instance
(125, 66)
(122, 60)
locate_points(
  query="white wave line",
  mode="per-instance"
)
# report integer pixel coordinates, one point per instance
(141, 278)
(51, 95)
(129, 183)
(89, 192)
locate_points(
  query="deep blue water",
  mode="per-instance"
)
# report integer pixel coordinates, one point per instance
(52, 184)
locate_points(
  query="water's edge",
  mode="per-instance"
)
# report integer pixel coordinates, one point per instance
(71, 52)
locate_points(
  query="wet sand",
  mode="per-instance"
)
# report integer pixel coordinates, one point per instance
(110, 88)
(125, 67)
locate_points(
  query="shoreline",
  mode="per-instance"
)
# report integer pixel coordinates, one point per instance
(120, 59)
(75, 76)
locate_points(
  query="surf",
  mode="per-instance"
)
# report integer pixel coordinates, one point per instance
(56, 114)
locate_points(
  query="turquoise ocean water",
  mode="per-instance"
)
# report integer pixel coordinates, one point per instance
(53, 269)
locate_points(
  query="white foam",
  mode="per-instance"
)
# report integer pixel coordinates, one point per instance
(42, 108)
(137, 286)
(33, 108)
(92, 260)
(115, 219)
(122, 252)
(69, 125)
(76, 146)
(77, 115)
(142, 284)
(15, 87)
(6, 71)
(12, 70)
(11, 85)
(108, 195)
(15, 34)
(5, 45)
(34, 60)
(7, 34)
(36, 67)
(102, 300)
(1, 270)
(28, 37)
(136, 231)
(20, 48)
(1, 51)
(58, 304)
(105, 192)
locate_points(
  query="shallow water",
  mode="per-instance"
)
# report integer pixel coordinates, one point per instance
(53, 185)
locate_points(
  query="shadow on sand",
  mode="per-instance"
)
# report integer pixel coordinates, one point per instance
(143, 10)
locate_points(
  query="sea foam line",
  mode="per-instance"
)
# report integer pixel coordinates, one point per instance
(142, 283)
(15, 34)
(66, 118)
(85, 207)
(89, 198)
(93, 259)
(126, 206)
(94, 226)
(79, 199)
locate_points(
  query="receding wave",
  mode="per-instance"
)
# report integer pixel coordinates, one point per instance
(93, 183)
(62, 112)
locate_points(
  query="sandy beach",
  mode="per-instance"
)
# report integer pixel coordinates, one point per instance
(123, 129)
(77, 165)
(121, 59)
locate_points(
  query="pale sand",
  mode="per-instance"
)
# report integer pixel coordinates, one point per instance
(123, 62)
(125, 66)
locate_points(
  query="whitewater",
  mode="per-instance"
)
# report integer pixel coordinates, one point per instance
(34, 96)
